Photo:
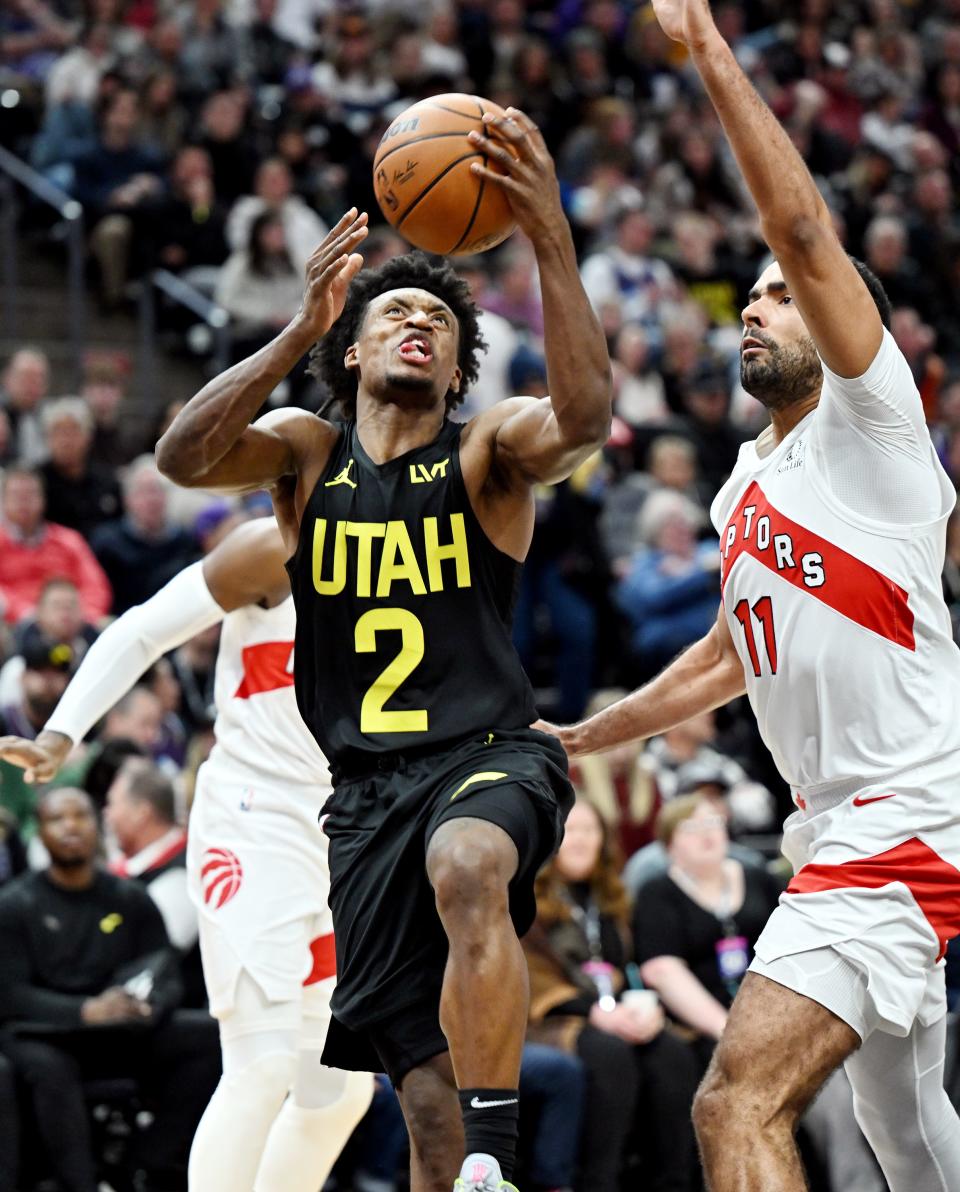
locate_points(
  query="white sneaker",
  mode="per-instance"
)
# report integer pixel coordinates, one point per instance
(481, 1173)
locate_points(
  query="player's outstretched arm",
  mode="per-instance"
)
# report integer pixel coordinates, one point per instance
(210, 443)
(704, 677)
(546, 440)
(796, 224)
(246, 567)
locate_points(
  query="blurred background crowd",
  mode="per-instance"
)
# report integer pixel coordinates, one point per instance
(217, 140)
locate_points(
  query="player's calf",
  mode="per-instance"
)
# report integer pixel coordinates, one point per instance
(428, 1097)
(470, 863)
(777, 1050)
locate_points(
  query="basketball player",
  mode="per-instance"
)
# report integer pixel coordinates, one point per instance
(832, 542)
(256, 860)
(406, 532)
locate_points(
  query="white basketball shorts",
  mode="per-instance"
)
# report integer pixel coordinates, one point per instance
(257, 873)
(875, 897)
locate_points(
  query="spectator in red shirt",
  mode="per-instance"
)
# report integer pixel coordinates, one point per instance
(33, 551)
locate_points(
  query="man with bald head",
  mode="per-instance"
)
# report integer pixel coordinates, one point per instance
(85, 993)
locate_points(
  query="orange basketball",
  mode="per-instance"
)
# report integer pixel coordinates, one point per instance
(424, 184)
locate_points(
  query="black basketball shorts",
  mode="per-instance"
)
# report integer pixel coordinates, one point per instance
(391, 946)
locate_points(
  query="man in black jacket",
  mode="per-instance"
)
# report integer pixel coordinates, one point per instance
(86, 992)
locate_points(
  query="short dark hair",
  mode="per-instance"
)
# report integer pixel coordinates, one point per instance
(414, 271)
(875, 286)
(147, 783)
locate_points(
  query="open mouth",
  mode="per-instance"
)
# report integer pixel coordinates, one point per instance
(415, 350)
(752, 345)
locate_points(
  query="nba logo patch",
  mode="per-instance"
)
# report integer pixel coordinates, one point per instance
(246, 799)
(221, 876)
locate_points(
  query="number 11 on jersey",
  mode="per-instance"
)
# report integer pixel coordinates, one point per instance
(763, 611)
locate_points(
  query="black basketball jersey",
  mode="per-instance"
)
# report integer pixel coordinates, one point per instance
(404, 608)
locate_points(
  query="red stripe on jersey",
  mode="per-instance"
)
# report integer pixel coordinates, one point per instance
(849, 586)
(324, 959)
(933, 882)
(266, 667)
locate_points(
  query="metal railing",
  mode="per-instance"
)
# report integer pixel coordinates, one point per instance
(183, 294)
(14, 172)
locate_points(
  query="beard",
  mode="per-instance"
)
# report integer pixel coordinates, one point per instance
(409, 381)
(785, 375)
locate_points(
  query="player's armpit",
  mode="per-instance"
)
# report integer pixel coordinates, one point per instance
(833, 299)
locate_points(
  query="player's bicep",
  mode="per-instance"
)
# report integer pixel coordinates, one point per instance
(836, 305)
(726, 666)
(530, 443)
(258, 459)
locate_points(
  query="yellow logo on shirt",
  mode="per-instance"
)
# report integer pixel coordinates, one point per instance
(342, 477)
(110, 923)
(421, 474)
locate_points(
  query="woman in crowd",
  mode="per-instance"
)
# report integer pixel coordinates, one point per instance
(261, 289)
(695, 926)
(640, 1078)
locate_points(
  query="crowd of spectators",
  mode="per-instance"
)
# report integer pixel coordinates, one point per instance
(219, 139)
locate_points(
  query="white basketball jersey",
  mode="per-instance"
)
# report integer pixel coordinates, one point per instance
(258, 727)
(837, 614)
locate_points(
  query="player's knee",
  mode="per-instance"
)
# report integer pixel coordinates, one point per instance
(265, 1080)
(713, 1106)
(729, 1104)
(469, 873)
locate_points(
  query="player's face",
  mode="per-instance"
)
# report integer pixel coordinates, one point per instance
(779, 364)
(68, 827)
(408, 345)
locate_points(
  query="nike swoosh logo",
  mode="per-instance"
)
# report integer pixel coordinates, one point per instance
(476, 1103)
(863, 801)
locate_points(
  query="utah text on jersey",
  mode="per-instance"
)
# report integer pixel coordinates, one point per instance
(384, 554)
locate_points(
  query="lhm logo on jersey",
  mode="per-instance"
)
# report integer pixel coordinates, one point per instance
(221, 876)
(267, 666)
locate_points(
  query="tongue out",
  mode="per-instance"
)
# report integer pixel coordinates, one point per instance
(415, 352)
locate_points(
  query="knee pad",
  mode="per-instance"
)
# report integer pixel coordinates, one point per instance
(262, 1083)
(316, 1086)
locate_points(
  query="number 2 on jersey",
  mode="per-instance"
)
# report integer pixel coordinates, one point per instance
(374, 718)
(763, 611)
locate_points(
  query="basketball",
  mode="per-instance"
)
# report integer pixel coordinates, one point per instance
(424, 184)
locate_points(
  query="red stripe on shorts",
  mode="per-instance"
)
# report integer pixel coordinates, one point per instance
(324, 959)
(933, 882)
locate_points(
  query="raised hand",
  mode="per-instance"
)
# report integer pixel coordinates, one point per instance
(330, 270)
(40, 759)
(687, 21)
(515, 143)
